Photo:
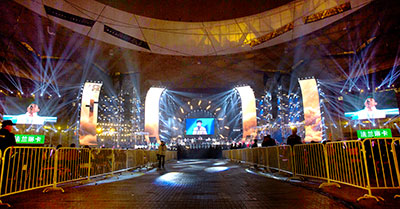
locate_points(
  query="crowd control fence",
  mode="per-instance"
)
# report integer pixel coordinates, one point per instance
(29, 168)
(370, 164)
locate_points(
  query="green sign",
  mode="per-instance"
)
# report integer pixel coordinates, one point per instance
(374, 133)
(29, 139)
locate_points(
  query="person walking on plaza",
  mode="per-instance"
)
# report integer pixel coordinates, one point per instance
(7, 139)
(294, 138)
(162, 150)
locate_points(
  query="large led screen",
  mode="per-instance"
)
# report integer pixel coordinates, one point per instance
(30, 111)
(312, 111)
(200, 126)
(249, 113)
(152, 111)
(372, 105)
(89, 110)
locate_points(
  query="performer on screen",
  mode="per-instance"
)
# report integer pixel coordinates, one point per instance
(31, 116)
(370, 111)
(199, 129)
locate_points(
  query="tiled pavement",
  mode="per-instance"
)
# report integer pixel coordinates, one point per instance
(186, 184)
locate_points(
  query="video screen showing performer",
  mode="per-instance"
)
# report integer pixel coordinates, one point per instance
(377, 106)
(199, 129)
(13, 108)
(199, 126)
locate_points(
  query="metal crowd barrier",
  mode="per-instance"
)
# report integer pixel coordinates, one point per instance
(273, 158)
(309, 161)
(371, 164)
(379, 158)
(102, 162)
(29, 168)
(396, 154)
(285, 159)
(72, 164)
(26, 168)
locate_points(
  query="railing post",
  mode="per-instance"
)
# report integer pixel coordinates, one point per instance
(329, 183)
(90, 164)
(55, 174)
(278, 158)
(126, 159)
(1, 181)
(396, 163)
(292, 157)
(369, 195)
(112, 162)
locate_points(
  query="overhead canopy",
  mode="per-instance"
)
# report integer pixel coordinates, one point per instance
(277, 25)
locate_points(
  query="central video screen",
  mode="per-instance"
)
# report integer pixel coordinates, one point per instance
(375, 105)
(200, 126)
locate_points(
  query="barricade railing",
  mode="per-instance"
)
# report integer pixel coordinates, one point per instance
(371, 164)
(309, 161)
(131, 159)
(29, 168)
(102, 162)
(262, 156)
(72, 164)
(120, 159)
(26, 168)
(396, 155)
(380, 160)
(273, 158)
(140, 158)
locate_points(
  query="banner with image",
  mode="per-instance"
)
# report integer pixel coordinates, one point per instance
(312, 111)
(89, 110)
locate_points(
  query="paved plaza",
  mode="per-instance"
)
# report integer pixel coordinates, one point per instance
(184, 184)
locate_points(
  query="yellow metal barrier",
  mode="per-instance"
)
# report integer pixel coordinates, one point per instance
(380, 166)
(261, 153)
(310, 161)
(273, 157)
(235, 155)
(242, 155)
(72, 164)
(120, 159)
(347, 164)
(102, 162)
(285, 158)
(140, 158)
(396, 155)
(254, 156)
(171, 155)
(230, 153)
(26, 168)
(248, 155)
(131, 157)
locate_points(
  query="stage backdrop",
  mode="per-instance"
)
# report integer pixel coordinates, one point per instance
(89, 109)
(152, 109)
(249, 114)
(312, 111)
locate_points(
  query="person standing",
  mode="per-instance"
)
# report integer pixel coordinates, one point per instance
(255, 144)
(268, 141)
(7, 139)
(294, 138)
(162, 150)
